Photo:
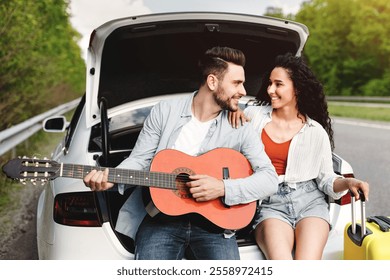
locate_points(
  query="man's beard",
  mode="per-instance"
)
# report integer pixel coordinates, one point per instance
(224, 103)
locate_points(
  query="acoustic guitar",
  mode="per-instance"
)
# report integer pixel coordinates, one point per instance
(167, 178)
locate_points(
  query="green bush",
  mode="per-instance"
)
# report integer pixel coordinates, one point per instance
(41, 62)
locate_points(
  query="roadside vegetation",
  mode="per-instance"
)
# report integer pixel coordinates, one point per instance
(41, 62)
(348, 47)
(41, 67)
(360, 112)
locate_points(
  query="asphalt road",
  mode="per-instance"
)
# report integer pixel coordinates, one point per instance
(365, 145)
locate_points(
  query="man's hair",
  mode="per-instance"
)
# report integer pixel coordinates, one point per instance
(215, 61)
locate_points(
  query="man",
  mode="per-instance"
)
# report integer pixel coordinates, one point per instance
(194, 125)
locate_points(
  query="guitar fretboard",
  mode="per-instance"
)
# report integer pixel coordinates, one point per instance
(127, 176)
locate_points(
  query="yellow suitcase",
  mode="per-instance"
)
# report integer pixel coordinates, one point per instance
(369, 240)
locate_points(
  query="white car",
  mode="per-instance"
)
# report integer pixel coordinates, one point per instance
(132, 64)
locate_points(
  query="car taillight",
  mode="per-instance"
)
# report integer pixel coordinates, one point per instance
(76, 209)
(346, 199)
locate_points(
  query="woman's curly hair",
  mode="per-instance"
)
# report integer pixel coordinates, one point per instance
(309, 91)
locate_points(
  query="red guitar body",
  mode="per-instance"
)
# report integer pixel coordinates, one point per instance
(179, 201)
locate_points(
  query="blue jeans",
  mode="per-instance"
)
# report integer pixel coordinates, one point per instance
(173, 238)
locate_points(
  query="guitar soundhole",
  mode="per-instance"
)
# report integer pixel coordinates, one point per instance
(182, 190)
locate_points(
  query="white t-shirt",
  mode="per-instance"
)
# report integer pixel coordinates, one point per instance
(191, 136)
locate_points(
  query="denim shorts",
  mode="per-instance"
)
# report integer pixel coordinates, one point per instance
(293, 204)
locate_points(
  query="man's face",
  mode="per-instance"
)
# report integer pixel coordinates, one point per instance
(231, 88)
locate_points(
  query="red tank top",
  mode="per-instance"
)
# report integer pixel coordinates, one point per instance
(277, 152)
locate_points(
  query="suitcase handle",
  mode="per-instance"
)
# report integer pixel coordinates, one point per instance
(383, 226)
(384, 219)
(363, 213)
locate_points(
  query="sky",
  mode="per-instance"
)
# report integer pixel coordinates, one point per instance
(86, 15)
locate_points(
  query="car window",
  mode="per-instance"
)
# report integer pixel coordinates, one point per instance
(128, 119)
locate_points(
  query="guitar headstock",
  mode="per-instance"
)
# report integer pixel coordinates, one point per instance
(32, 169)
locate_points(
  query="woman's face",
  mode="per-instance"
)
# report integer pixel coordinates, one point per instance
(281, 89)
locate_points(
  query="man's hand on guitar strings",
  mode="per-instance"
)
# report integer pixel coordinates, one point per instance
(205, 188)
(201, 187)
(98, 180)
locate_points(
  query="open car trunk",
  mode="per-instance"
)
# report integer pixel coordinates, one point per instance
(152, 55)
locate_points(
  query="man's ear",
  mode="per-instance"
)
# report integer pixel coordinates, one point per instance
(212, 82)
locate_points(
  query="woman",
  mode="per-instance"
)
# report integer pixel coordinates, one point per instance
(296, 131)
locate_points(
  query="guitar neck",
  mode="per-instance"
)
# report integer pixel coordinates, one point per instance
(123, 176)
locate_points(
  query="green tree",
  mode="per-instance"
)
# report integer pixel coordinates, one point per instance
(41, 63)
(349, 46)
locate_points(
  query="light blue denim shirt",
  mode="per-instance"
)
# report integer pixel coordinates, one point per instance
(309, 156)
(161, 129)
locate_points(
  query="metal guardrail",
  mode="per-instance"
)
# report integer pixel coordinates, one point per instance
(16, 134)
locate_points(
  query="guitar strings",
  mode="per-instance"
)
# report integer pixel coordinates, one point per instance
(76, 169)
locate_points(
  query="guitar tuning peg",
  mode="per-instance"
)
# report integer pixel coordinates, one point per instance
(23, 181)
(45, 158)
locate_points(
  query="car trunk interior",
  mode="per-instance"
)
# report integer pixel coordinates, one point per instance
(144, 61)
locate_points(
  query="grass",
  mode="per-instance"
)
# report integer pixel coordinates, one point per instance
(360, 112)
(40, 145)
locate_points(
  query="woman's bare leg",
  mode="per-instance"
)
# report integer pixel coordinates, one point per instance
(275, 238)
(311, 235)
